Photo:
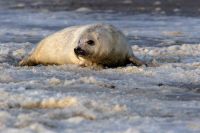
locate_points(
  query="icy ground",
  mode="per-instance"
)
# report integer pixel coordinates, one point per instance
(69, 98)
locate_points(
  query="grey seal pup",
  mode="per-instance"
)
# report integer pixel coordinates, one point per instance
(87, 45)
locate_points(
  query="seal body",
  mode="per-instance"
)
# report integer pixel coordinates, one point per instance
(87, 45)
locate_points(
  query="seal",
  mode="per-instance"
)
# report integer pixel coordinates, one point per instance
(87, 45)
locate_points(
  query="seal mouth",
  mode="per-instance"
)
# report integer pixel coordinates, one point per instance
(80, 52)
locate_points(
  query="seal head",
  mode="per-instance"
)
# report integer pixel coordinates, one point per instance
(82, 49)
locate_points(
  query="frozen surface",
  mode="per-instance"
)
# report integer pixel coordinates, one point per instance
(127, 99)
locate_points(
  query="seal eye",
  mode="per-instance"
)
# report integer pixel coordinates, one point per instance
(90, 42)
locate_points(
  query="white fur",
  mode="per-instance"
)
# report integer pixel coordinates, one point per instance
(111, 47)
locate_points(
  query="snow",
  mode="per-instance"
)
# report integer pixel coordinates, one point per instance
(70, 98)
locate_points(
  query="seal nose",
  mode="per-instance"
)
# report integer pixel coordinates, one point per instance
(77, 50)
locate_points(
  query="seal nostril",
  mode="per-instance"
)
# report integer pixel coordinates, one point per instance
(78, 50)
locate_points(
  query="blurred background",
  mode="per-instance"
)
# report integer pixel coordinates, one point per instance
(169, 7)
